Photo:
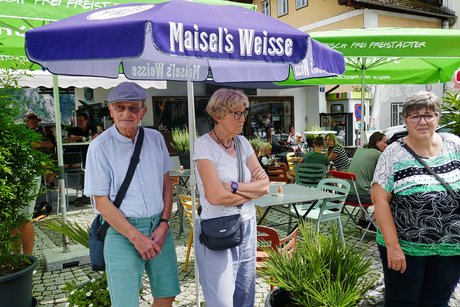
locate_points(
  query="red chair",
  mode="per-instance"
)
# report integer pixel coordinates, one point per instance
(268, 237)
(357, 207)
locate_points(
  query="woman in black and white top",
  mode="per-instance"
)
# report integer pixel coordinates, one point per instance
(336, 153)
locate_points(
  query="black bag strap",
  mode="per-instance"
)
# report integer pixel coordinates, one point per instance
(430, 170)
(126, 182)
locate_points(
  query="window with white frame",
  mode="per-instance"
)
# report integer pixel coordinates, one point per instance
(300, 4)
(265, 7)
(396, 114)
(282, 7)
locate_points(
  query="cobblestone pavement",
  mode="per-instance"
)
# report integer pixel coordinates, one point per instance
(47, 286)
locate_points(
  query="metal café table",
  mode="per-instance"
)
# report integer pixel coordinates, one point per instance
(183, 176)
(293, 194)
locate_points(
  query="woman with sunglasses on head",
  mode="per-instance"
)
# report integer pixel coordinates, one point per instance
(336, 153)
(418, 218)
(228, 276)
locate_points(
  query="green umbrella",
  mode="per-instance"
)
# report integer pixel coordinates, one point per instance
(18, 17)
(390, 56)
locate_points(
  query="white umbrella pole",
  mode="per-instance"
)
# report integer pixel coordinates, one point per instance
(363, 100)
(60, 156)
(192, 180)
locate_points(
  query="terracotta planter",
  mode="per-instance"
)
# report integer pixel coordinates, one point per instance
(16, 288)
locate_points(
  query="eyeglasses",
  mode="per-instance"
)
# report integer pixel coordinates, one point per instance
(133, 109)
(237, 115)
(427, 117)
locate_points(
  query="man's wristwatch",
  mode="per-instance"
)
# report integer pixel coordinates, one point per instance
(234, 186)
(167, 221)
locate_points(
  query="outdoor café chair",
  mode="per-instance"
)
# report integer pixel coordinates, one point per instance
(357, 206)
(185, 201)
(309, 174)
(328, 210)
(268, 237)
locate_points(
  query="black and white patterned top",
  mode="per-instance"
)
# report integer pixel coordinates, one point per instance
(427, 217)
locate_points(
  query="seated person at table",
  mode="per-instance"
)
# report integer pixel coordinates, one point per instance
(276, 146)
(264, 154)
(363, 165)
(292, 137)
(83, 129)
(316, 156)
(336, 153)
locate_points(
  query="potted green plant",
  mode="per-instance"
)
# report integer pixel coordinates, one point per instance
(181, 142)
(255, 142)
(309, 137)
(20, 165)
(321, 272)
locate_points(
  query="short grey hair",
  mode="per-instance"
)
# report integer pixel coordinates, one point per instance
(224, 101)
(421, 100)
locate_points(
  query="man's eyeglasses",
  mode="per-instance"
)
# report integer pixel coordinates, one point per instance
(237, 115)
(427, 117)
(131, 108)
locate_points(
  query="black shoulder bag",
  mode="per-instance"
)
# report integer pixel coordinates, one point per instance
(99, 228)
(430, 170)
(225, 232)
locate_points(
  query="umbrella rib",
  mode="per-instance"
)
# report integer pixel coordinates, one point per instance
(380, 61)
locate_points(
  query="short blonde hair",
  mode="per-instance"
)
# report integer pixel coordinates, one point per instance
(224, 101)
(265, 146)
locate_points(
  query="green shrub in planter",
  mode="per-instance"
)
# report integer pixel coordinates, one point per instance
(180, 140)
(321, 272)
(255, 142)
(20, 164)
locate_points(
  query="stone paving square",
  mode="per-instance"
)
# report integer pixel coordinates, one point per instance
(47, 286)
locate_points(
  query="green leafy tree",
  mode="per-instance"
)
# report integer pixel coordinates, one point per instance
(451, 111)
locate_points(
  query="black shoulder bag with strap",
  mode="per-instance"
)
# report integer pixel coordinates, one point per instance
(99, 228)
(430, 170)
(225, 232)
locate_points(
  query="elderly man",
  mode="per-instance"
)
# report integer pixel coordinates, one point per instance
(139, 238)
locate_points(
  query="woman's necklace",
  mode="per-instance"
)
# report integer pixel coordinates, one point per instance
(222, 143)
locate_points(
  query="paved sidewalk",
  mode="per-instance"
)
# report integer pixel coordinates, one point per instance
(47, 286)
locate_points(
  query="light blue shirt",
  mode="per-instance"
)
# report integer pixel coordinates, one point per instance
(107, 162)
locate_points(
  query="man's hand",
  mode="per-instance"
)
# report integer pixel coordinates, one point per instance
(158, 236)
(146, 247)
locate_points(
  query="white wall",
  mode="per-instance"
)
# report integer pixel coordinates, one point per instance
(384, 95)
